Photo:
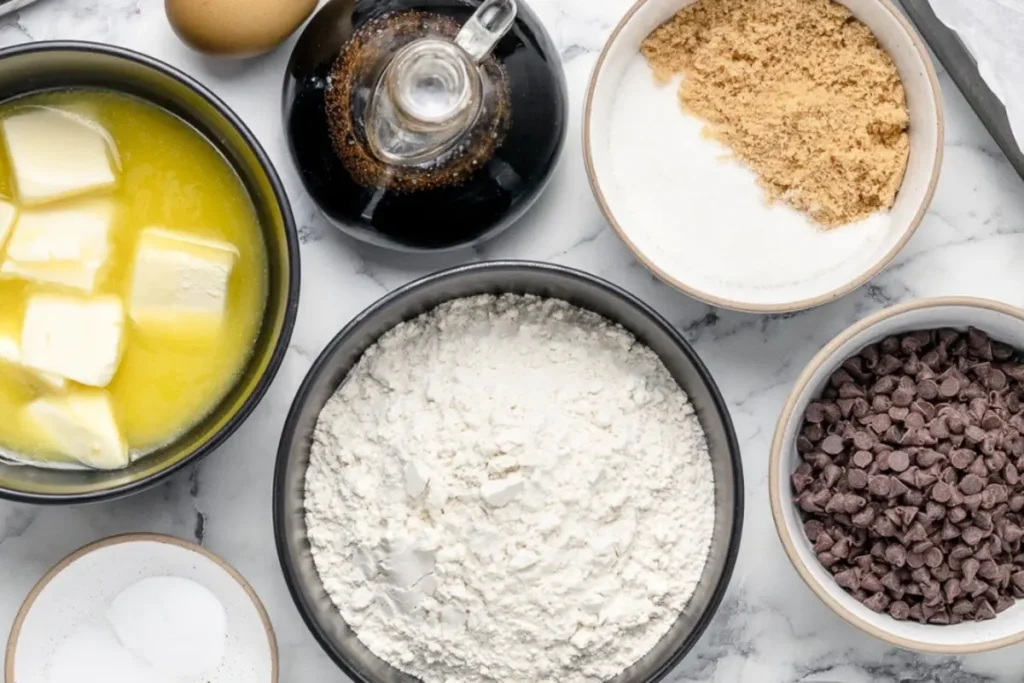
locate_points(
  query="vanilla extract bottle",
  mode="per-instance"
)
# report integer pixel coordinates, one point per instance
(425, 124)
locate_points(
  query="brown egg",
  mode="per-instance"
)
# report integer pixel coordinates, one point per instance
(236, 28)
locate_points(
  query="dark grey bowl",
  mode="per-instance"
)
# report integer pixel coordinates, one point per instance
(578, 288)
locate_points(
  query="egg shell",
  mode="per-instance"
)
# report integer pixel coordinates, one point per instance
(236, 28)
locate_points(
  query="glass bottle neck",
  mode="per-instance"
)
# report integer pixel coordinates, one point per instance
(430, 94)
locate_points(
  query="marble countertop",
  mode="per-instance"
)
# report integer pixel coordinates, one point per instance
(770, 628)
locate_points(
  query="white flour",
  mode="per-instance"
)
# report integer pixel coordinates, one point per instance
(509, 489)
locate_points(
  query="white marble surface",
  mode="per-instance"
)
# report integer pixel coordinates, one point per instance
(770, 628)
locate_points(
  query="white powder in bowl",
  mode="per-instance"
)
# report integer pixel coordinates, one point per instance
(509, 489)
(699, 214)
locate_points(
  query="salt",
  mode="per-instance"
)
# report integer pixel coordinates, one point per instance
(174, 624)
(162, 629)
(700, 214)
(92, 654)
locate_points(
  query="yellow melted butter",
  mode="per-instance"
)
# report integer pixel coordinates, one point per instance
(171, 177)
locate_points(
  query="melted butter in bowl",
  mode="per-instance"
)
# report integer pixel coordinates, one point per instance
(155, 229)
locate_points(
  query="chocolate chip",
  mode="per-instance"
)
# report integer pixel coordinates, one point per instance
(853, 503)
(991, 421)
(984, 610)
(881, 423)
(857, 479)
(927, 457)
(902, 397)
(888, 363)
(827, 559)
(970, 569)
(862, 459)
(923, 479)
(877, 602)
(896, 555)
(878, 485)
(897, 488)
(813, 413)
(996, 380)
(831, 473)
(974, 435)
(941, 492)
(899, 461)
(915, 421)
(833, 445)
(899, 610)
(972, 484)
(961, 458)
(972, 535)
(852, 391)
(898, 414)
(949, 387)
(863, 441)
(962, 607)
(870, 583)
(864, 518)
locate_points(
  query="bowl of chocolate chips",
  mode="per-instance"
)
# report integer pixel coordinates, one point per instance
(897, 475)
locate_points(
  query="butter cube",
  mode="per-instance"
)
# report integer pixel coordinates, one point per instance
(82, 426)
(180, 280)
(8, 213)
(10, 361)
(56, 154)
(80, 339)
(67, 246)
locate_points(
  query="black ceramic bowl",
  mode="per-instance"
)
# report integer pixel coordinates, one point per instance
(580, 289)
(37, 67)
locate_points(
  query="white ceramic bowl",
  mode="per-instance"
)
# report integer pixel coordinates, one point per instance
(80, 587)
(697, 277)
(1004, 323)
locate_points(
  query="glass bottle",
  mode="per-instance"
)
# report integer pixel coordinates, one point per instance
(424, 124)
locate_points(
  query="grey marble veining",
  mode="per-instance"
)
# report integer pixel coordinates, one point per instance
(770, 629)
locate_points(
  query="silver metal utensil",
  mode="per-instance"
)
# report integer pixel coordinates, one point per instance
(8, 6)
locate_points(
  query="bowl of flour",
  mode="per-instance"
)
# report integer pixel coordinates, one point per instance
(508, 472)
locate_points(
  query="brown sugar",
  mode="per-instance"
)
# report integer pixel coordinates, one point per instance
(801, 91)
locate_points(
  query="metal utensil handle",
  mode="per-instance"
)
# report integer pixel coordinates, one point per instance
(8, 6)
(486, 27)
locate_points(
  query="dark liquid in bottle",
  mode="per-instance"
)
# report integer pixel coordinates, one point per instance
(488, 199)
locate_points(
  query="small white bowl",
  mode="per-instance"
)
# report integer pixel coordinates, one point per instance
(82, 585)
(1004, 323)
(696, 277)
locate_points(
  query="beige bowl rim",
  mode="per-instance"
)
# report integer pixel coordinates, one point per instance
(866, 276)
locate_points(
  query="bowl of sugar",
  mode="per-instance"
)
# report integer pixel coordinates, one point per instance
(764, 155)
(142, 607)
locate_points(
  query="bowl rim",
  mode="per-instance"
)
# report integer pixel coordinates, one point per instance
(776, 481)
(29, 601)
(280, 515)
(292, 284)
(802, 304)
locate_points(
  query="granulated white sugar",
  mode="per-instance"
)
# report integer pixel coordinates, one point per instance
(700, 214)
